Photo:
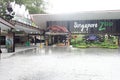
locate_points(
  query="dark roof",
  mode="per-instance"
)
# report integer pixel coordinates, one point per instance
(5, 24)
(57, 28)
(25, 27)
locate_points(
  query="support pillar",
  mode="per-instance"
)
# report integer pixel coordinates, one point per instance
(35, 40)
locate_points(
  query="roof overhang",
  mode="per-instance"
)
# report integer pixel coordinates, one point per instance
(4, 25)
(19, 26)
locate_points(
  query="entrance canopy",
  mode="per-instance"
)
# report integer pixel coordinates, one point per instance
(4, 25)
(57, 30)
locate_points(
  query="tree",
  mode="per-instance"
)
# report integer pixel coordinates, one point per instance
(20, 1)
(6, 10)
(34, 6)
(35, 10)
(2, 9)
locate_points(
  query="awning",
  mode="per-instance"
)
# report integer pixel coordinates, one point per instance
(56, 28)
(19, 26)
(4, 25)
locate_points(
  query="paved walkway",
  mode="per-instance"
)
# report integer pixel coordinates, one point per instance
(62, 63)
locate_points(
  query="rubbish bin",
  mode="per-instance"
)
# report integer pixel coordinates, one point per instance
(27, 43)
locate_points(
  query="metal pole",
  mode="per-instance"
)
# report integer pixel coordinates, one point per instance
(40, 42)
(0, 44)
(35, 40)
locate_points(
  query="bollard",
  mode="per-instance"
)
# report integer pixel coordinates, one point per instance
(40, 45)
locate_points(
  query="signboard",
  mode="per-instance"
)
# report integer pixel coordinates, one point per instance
(90, 26)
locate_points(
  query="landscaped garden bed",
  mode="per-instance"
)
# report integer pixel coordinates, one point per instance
(94, 41)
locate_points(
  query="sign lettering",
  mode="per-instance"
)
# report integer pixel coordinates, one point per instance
(84, 27)
(103, 25)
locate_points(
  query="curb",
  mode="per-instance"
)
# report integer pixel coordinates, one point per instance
(25, 50)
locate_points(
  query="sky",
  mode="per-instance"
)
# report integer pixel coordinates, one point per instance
(73, 6)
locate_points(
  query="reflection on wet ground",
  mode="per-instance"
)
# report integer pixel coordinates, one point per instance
(62, 63)
(70, 51)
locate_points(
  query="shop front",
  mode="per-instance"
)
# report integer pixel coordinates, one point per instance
(57, 35)
(59, 39)
(6, 35)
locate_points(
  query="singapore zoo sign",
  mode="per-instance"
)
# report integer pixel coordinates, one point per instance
(101, 26)
(110, 26)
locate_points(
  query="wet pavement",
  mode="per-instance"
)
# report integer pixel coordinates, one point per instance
(62, 63)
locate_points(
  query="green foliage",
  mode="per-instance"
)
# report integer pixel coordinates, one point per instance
(2, 9)
(108, 43)
(79, 43)
(6, 1)
(34, 10)
(82, 45)
(113, 46)
(20, 1)
(72, 41)
(34, 6)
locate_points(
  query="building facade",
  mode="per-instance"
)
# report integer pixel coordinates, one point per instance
(94, 22)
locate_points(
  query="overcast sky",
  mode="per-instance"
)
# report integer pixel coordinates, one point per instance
(71, 6)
